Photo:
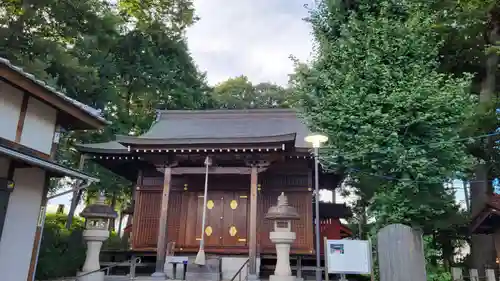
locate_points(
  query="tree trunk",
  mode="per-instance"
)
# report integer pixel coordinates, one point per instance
(482, 246)
(113, 220)
(126, 235)
(364, 221)
(120, 223)
(77, 195)
(444, 241)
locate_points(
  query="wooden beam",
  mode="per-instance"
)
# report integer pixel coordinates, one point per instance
(213, 170)
(22, 117)
(162, 229)
(252, 241)
(23, 149)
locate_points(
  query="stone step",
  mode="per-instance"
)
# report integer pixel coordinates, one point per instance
(146, 278)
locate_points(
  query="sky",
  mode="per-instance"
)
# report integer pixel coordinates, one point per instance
(249, 37)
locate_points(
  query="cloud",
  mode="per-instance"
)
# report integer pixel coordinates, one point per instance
(249, 37)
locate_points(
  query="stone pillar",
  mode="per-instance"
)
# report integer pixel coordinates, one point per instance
(97, 217)
(94, 239)
(282, 216)
(283, 240)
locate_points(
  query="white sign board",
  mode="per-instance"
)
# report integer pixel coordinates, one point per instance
(177, 259)
(348, 256)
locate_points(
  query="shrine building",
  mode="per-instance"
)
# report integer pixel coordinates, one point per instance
(255, 154)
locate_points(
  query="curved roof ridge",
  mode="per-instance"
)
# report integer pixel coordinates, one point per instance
(224, 112)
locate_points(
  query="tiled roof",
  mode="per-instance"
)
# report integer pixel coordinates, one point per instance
(215, 127)
(228, 124)
(89, 110)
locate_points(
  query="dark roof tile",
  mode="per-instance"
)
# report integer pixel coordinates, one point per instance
(213, 124)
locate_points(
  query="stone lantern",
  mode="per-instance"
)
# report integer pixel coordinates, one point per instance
(282, 215)
(97, 218)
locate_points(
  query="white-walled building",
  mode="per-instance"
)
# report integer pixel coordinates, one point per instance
(31, 116)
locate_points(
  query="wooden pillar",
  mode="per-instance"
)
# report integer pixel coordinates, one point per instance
(252, 241)
(162, 228)
(496, 238)
(5, 190)
(39, 231)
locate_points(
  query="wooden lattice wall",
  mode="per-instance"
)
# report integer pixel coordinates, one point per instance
(184, 211)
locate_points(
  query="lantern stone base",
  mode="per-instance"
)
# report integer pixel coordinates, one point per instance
(96, 276)
(283, 240)
(94, 239)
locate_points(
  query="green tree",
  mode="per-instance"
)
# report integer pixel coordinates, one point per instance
(393, 96)
(240, 93)
(375, 89)
(125, 59)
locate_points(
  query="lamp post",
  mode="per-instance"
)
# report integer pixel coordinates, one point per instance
(316, 140)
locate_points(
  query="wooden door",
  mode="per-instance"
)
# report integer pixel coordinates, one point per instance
(235, 219)
(214, 215)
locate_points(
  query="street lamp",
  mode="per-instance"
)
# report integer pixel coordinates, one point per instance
(316, 140)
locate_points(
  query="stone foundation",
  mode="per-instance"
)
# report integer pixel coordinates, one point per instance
(230, 265)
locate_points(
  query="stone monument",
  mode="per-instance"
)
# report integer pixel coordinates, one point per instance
(282, 215)
(97, 217)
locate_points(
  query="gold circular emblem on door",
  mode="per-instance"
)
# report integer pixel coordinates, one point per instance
(208, 230)
(233, 204)
(210, 204)
(233, 230)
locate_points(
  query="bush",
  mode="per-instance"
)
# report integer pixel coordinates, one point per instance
(62, 251)
(115, 242)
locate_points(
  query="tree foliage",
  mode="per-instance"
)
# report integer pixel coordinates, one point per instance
(376, 91)
(240, 93)
(125, 58)
(62, 251)
(394, 84)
